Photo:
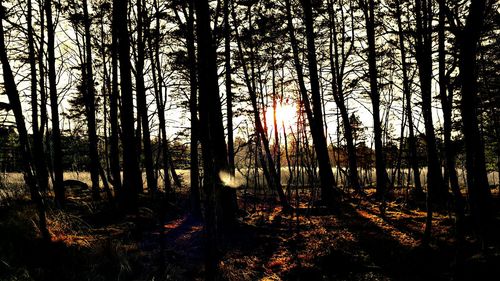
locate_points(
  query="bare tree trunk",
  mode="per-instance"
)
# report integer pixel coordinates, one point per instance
(54, 105)
(477, 181)
(106, 93)
(447, 104)
(41, 64)
(329, 192)
(338, 96)
(221, 201)
(114, 157)
(229, 94)
(193, 107)
(380, 165)
(270, 172)
(413, 158)
(276, 151)
(325, 169)
(90, 108)
(131, 173)
(38, 150)
(15, 106)
(141, 101)
(436, 192)
(160, 103)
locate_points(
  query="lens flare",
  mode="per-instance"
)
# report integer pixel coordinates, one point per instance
(230, 181)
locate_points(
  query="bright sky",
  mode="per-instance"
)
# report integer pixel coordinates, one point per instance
(178, 119)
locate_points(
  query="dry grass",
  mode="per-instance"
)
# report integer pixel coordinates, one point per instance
(12, 178)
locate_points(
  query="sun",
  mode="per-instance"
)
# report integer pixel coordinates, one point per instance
(286, 114)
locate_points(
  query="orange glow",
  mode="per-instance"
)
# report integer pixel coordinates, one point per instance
(285, 114)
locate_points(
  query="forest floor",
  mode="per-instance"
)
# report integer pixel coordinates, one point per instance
(90, 241)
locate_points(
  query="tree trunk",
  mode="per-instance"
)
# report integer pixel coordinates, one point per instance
(211, 126)
(276, 151)
(381, 174)
(338, 96)
(54, 106)
(447, 103)
(193, 108)
(131, 174)
(477, 181)
(270, 172)
(221, 201)
(229, 94)
(90, 108)
(436, 192)
(413, 157)
(325, 169)
(141, 101)
(329, 192)
(435, 189)
(154, 49)
(114, 150)
(38, 150)
(15, 105)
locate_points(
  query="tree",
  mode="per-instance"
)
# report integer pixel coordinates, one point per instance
(270, 172)
(477, 181)
(141, 100)
(189, 34)
(368, 8)
(15, 105)
(114, 151)
(229, 94)
(132, 182)
(221, 201)
(38, 149)
(54, 106)
(90, 107)
(337, 65)
(329, 192)
(407, 96)
(436, 192)
(193, 108)
(446, 97)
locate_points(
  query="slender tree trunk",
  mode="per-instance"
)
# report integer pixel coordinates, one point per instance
(54, 105)
(106, 93)
(221, 202)
(15, 105)
(413, 157)
(41, 64)
(138, 141)
(276, 151)
(436, 190)
(211, 126)
(141, 101)
(338, 96)
(270, 172)
(447, 103)
(325, 169)
(160, 103)
(229, 94)
(381, 174)
(477, 181)
(90, 108)
(38, 150)
(131, 174)
(193, 107)
(436, 193)
(329, 192)
(114, 149)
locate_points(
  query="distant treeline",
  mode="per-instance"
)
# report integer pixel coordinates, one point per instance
(75, 152)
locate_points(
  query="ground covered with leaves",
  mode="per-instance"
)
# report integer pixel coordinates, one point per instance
(162, 242)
